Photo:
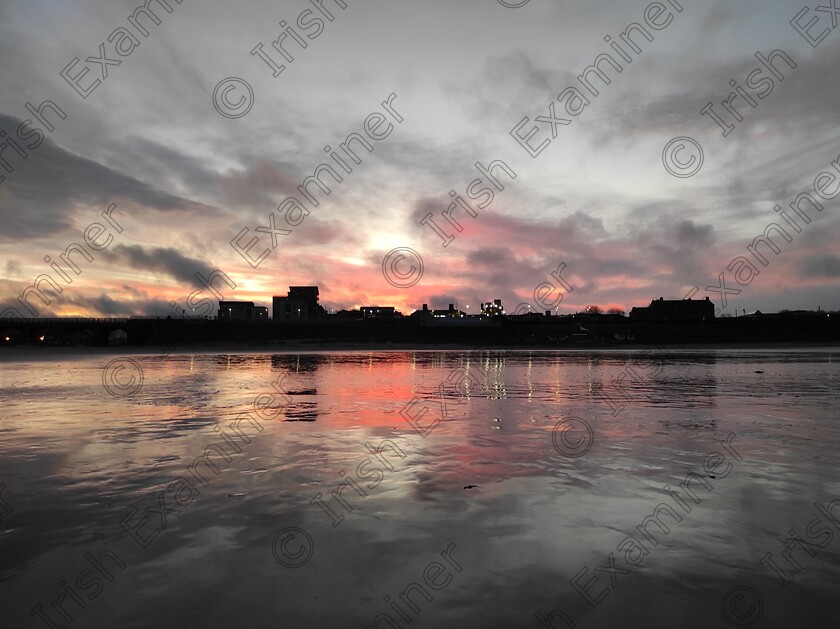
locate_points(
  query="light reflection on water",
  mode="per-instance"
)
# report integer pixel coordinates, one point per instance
(75, 460)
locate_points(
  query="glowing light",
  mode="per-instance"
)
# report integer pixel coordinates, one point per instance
(386, 241)
(354, 261)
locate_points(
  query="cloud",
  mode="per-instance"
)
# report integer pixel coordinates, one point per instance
(689, 234)
(158, 260)
(491, 257)
(261, 185)
(12, 268)
(46, 191)
(820, 266)
(107, 306)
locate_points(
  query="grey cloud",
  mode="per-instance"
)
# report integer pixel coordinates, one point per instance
(692, 235)
(426, 205)
(260, 185)
(489, 256)
(821, 266)
(109, 307)
(12, 268)
(158, 260)
(43, 193)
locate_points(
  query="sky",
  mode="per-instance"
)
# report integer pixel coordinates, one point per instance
(197, 143)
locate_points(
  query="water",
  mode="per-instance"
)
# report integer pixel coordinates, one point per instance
(561, 478)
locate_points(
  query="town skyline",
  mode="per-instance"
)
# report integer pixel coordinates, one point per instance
(266, 310)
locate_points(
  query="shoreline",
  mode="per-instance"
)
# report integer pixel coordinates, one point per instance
(34, 352)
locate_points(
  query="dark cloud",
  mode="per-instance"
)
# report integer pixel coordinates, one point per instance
(44, 193)
(12, 268)
(163, 164)
(263, 184)
(110, 307)
(679, 244)
(162, 260)
(491, 257)
(689, 234)
(427, 205)
(820, 266)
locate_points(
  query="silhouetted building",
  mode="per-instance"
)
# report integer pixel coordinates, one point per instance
(675, 310)
(450, 313)
(301, 302)
(425, 313)
(378, 312)
(494, 309)
(242, 310)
